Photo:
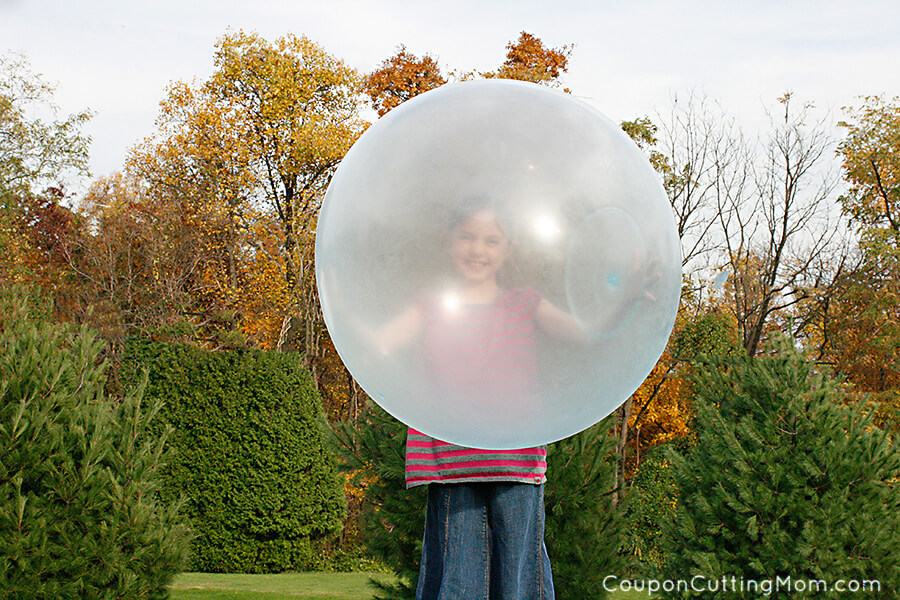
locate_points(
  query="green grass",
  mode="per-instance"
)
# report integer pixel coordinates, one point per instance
(632, 595)
(286, 586)
(292, 586)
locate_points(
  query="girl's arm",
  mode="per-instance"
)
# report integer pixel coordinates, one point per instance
(399, 331)
(559, 324)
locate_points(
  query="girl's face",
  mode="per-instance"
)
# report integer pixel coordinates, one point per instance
(479, 247)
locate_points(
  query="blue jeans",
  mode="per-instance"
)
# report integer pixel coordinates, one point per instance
(484, 541)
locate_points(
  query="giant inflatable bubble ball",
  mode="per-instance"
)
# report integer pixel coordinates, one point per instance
(497, 264)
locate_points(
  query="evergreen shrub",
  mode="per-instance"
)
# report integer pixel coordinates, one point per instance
(261, 490)
(372, 451)
(583, 530)
(80, 516)
(783, 481)
(650, 501)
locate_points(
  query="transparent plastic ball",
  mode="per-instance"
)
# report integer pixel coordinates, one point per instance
(497, 264)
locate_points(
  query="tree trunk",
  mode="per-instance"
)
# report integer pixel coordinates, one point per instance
(624, 414)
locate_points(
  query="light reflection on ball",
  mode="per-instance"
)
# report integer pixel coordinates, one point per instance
(583, 234)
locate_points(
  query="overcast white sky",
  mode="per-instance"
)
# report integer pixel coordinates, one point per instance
(117, 57)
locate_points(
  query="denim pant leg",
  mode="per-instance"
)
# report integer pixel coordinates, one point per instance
(456, 547)
(485, 541)
(520, 567)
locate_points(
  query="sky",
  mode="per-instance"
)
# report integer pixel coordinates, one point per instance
(630, 59)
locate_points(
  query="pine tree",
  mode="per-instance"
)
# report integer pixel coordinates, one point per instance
(782, 481)
(79, 516)
(584, 530)
(372, 450)
(650, 500)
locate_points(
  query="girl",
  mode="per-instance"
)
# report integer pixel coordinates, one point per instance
(484, 530)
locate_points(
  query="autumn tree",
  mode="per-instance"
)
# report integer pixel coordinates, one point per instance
(140, 261)
(197, 168)
(192, 185)
(46, 225)
(39, 151)
(871, 160)
(297, 108)
(401, 77)
(527, 59)
(858, 331)
(249, 154)
(774, 219)
(757, 214)
(867, 322)
(37, 147)
(857, 328)
(405, 75)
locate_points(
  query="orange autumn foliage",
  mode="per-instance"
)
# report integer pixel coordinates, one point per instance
(401, 77)
(527, 59)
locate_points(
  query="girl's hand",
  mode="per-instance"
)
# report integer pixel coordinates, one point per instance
(559, 324)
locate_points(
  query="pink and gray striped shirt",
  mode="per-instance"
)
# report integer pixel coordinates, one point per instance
(486, 355)
(432, 461)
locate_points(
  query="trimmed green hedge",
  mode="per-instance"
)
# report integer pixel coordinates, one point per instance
(249, 457)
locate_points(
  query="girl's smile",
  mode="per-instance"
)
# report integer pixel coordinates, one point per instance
(479, 248)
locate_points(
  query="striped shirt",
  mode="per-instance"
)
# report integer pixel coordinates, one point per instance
(432, 461)
(479, 355)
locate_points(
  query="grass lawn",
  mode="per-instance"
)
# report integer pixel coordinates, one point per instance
(291, 586)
